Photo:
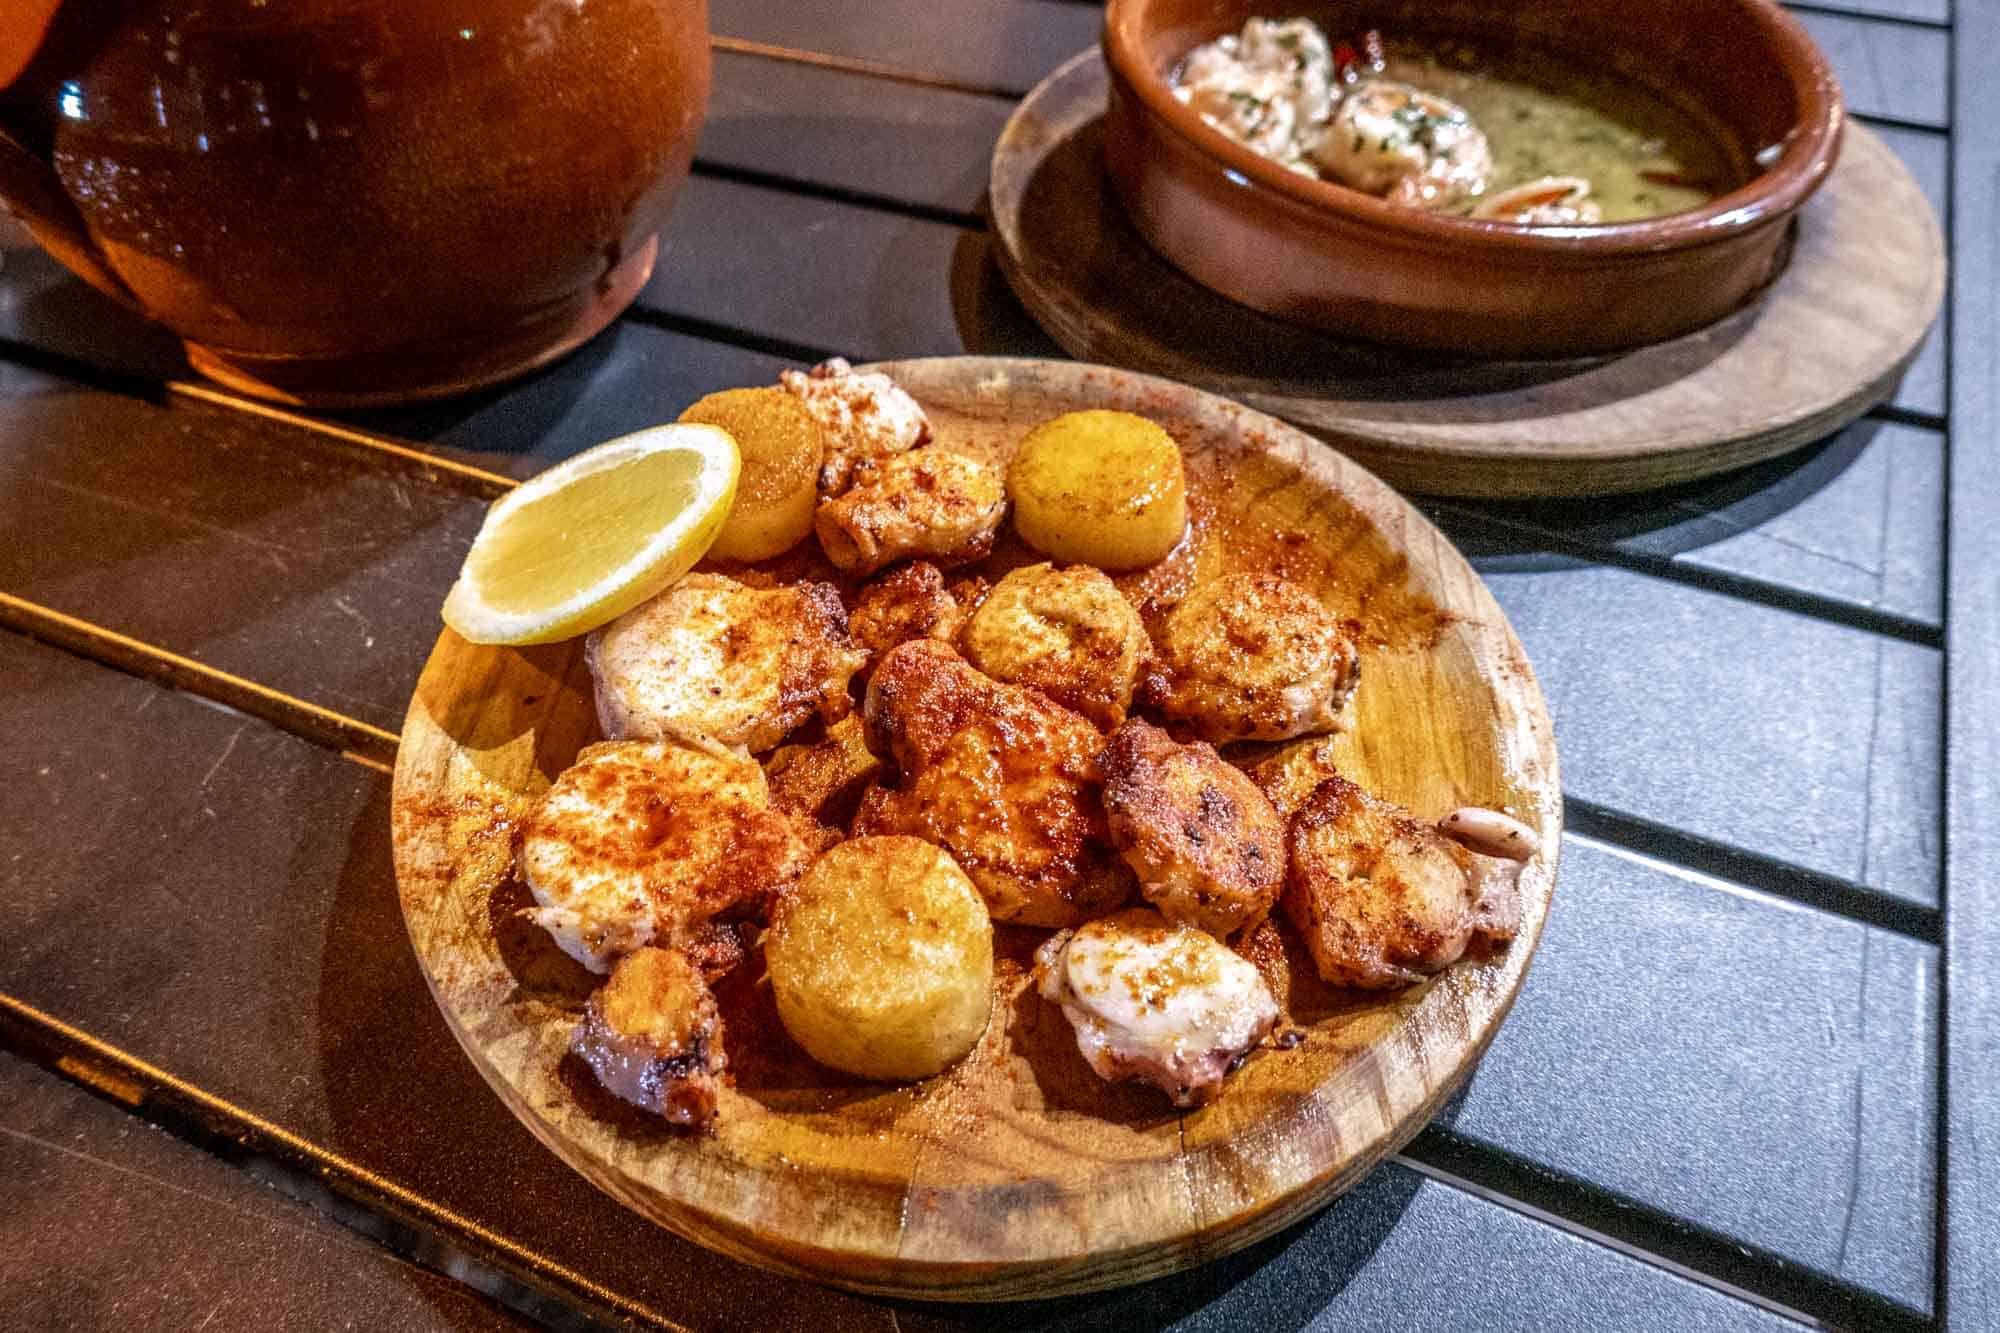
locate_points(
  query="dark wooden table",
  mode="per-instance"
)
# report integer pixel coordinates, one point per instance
(1751, 1078)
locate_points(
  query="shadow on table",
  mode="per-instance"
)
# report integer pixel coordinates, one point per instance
(513, 419)
(991, 320)
(45, 306)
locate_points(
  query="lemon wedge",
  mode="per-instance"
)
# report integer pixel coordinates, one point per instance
(594, 536)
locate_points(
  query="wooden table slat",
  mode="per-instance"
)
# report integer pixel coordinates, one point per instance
(44, 307)
(219, 537)
(920, 146)
(1892, 70)
(631, 377)
(843, 278)
(1006, 44)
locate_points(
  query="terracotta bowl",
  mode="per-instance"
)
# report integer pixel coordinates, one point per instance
(354, 202)
(1336, 258)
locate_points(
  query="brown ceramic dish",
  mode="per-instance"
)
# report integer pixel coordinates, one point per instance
(354, 202)
(1333, 257)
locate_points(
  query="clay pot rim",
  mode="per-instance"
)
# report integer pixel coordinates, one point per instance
(1803, 163)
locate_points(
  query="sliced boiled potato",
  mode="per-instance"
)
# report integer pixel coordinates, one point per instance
(1100, 487)
(881, 959)
(781, 446)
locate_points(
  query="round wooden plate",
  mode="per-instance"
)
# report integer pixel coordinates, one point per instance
(1018, 1172)
(1824, 343)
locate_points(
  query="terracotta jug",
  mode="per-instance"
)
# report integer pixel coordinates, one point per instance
(351, 202)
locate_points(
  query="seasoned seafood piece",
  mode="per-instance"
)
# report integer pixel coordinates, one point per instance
(1257, 108)
(1251, 657)
(1385, 899)
(1491, 833)
(823, 780)
(710, 655)
(1067, 632)
(1551, 201)
(653, 1036)
(645, 842)
(1001, 777)
(1153, 1002)
(1409, 146)
(1207, 847)
(718, 948)
(1291, 772)
(865, 417)
(1266, 87)
(932, 504)
(909, 602)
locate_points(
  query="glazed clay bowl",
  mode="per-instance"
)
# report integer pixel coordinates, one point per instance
(349, 202)
(1338, 259)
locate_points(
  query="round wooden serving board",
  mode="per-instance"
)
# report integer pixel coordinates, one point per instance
(1018, 1172)
(1824, 343)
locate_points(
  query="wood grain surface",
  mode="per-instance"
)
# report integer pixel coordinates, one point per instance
(1017, 1173)
(1825, 342)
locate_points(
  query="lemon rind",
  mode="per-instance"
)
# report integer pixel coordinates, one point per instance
(650, 570)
